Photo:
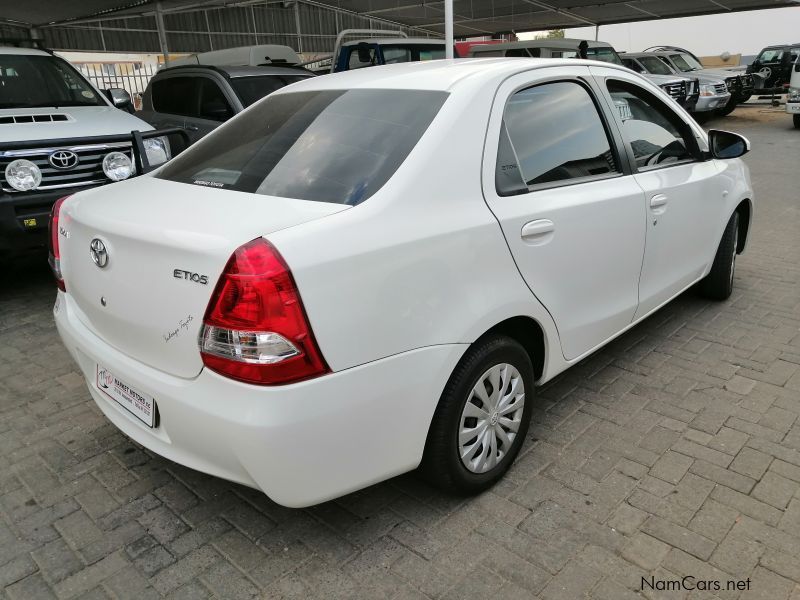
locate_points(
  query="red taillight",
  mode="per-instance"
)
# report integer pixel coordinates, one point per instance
(55, 252)
(255, 328)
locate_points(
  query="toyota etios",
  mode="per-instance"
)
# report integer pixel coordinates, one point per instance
(370, 272)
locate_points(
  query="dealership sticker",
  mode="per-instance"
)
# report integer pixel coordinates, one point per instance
(140, 405)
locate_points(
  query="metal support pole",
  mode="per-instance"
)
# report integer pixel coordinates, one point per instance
(448, 28)
(596, 32)
(297, 25)
(162, 34)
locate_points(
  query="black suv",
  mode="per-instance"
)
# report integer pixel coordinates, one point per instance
(774, 65)
(199, 98)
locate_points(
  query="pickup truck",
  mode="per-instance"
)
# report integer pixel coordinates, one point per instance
(59, 135)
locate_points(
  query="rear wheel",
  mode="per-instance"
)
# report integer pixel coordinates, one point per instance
(482, 417)
(796, 119)
(718, 284)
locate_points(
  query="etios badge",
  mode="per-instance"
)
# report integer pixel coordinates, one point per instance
(99, 254)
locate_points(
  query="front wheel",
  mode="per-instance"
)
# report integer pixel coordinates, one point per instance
(482, 417)
(718, 284)
(728, 108)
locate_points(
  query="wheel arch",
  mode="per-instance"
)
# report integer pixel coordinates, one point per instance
(529, 333)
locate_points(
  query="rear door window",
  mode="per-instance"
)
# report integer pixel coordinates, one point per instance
(552, 133)
(176, 95)
(336, 146)
(253, 89)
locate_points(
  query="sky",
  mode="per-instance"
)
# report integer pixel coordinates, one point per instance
(737, 33)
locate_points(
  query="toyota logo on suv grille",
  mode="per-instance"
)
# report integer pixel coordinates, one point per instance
(63, 159)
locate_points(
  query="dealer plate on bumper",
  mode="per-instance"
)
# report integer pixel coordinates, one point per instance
(140, 405)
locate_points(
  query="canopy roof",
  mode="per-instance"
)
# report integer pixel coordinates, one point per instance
(471, 17)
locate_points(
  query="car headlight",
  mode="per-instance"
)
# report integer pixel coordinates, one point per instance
(23, 175)
(707, 90)
(117, 166)
(157, 150)
(794, 94)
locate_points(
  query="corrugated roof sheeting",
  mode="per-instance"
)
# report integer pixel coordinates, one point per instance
(216, 28)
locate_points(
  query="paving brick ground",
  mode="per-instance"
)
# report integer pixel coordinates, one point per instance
(673, 452)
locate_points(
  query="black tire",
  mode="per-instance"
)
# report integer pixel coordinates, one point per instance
(718, 284)
(745, 98)
(441, 463)
(796, 120)
(728, 108)
(702, 117)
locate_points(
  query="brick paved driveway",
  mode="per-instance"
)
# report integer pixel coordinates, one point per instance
(675, 451)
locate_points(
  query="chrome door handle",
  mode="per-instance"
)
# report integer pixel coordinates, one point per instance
(538, 231)
(191, 128)
(658, 201)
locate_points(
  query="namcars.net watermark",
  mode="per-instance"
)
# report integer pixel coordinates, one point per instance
(690, 583)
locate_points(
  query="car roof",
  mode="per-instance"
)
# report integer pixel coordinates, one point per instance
(26, 51)
(444, 74)
(642, 54)
(234, 72)
(396, 40)
(566, 43)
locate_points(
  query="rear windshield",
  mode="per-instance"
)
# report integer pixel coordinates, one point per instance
(605, 54)
(252, 89)
(337, 146)
(399, 53)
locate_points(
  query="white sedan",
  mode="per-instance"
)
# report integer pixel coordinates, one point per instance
(370, 272)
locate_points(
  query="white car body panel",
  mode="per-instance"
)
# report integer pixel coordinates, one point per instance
(395, 288)
(83, 121)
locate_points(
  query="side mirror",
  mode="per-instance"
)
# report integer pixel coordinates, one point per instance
(120, 98)
(726, 144)
(797, 67)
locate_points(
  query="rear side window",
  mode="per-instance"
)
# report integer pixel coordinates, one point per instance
(336, 146)
(551, 133)
(175, 95)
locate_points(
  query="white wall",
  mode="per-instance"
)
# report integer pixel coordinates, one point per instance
(738, 33)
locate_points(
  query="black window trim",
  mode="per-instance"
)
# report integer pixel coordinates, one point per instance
(614, 141)
(683, 127)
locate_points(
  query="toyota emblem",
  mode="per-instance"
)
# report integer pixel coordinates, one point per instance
(63, 159)
(99, 253)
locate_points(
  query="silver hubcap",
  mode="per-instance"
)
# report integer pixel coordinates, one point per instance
(491, 418)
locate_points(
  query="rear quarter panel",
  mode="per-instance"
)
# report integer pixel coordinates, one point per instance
(421, 263)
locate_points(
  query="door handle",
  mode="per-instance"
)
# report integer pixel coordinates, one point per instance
(191, 127)
(658, 201)
(538, 232)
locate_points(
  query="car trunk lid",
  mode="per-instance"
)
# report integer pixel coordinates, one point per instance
(166, 245)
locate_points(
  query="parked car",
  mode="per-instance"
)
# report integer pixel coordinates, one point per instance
(793, 99)
(740, 86)
(773, 65)
(207, 89)
(371, 52)
(710, 92)
(302, 304)
(59, 134)
(678, 87)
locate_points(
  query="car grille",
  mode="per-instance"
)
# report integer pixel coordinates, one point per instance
(88, 170)
(720, 88)
(676, 90)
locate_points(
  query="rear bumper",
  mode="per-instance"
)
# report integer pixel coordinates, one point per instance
(301, 444)
(24, 217)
